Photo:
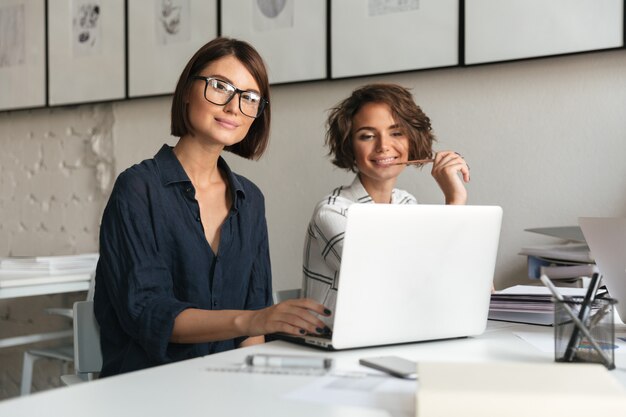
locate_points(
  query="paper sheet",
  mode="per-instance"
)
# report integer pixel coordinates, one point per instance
(541, 340)
(395, 395)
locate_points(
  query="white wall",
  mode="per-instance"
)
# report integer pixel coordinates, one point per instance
(545, 140)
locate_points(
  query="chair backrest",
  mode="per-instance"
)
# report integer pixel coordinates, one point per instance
(87, 353)
(280, 296)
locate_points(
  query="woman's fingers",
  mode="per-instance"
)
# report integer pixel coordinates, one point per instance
(292, 316)
(308, 304)
(449, 163)
(446, 169)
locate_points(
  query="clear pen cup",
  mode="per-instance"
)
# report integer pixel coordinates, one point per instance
(571, 344)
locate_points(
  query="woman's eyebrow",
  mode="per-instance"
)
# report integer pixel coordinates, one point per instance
(228, 80)
(393, 126)
(364, 128)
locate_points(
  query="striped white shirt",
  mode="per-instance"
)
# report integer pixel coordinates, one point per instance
(324, 241)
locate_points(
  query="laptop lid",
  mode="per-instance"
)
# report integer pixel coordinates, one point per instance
(606, 237)
(415, 272)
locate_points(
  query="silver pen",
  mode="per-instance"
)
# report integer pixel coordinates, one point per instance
(289, 361)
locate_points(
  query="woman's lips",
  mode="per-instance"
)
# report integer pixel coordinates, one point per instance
(228, 124)
(388, 161)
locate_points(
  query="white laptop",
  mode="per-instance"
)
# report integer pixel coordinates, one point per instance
(413, 273)
(606, 237)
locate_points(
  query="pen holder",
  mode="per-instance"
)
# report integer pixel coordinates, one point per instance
(595, 343)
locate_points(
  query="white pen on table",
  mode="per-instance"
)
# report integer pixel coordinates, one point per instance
(289, 361)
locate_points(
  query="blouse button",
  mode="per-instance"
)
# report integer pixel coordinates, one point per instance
(198, 218)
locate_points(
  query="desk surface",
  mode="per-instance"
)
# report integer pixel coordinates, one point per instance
(25, 285)
(188, 388)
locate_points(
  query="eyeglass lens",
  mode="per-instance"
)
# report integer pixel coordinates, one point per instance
(221, 92)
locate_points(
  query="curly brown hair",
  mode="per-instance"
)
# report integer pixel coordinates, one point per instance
(408, 115)
(255, 142)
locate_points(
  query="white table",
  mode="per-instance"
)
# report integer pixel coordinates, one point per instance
(189, 389)
(26, 285)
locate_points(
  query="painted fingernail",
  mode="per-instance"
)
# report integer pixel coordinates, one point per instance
(302, 331)
(319, 330)
(327, 330)
(327, 312)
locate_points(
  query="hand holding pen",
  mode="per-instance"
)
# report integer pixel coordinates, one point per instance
(450, 171)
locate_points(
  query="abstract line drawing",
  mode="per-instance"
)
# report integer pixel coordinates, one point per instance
(273, 14)
(86, 28)
(383, 7)
(172, 22)
(12, 36)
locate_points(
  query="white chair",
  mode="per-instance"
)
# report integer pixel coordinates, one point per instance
(63, 353)
(283, 295)
(87, 352)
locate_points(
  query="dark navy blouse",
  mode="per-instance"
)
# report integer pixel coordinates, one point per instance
(155, 262)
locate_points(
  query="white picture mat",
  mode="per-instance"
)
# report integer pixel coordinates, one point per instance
(87, 78)
(292, 52)
(23, 85)
(423, 38)
(154, 67)
(500, 30)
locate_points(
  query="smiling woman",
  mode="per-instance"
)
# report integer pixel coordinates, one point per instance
(375, 132)
(184, 268)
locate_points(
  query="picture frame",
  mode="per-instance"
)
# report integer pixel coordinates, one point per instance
(517, 29)
(22, 54)
(86, 44)
(388, 36)
(162, 36)
(290, 35)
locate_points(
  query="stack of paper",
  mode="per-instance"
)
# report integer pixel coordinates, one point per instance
(518, 389)
(527, 304)
(568, 261)
(49, 265)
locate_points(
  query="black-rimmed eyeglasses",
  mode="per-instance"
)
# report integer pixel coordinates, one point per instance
(221, 92)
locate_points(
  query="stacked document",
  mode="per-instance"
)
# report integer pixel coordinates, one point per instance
(570, 261)
(19, 271)
(527, 304)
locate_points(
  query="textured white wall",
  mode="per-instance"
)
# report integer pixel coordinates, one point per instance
(545, 139)
(56, 168)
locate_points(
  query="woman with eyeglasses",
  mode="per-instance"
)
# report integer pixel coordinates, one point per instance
(184, 267)
(375, 133)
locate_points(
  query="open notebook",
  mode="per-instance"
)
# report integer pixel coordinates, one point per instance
(413, 273)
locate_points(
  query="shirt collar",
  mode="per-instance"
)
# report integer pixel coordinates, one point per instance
(171, 171)
(360, 194)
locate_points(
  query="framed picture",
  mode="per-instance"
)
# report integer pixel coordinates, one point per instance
(497, 30)
(22, 54)
(382, 36)
(290, 35)
(86, 51)
(162, 36)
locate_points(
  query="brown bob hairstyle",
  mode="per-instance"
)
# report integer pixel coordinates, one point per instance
(408, 115)
(255, 142)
